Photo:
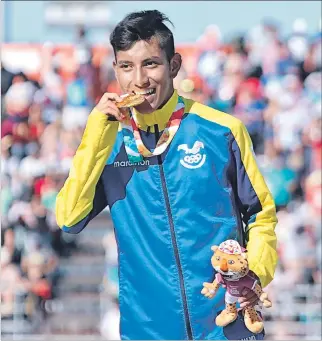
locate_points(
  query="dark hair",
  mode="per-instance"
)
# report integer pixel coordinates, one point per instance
(143, 25)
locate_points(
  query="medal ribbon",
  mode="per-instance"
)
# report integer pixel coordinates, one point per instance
(134, 145)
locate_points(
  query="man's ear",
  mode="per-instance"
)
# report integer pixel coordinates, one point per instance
(115, 69)
(175, 65)
(214, 248)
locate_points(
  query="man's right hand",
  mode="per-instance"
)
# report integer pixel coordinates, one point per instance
(107, 106)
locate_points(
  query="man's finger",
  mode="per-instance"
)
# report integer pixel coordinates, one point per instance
(242, 299)
(244, 304)
(111, 97)
(112, 106)
(124, 111)
(245, 292)
(249, 295)
(247, 299)
(247, 303)
(254, 301)
(110, 110)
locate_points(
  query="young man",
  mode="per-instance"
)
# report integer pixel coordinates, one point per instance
(180, 178)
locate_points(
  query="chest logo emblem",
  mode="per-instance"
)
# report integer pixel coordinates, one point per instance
(193, 157)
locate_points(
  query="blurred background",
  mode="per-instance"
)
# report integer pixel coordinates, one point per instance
(259, 61)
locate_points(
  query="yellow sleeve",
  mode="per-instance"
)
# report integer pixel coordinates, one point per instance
(75, 200)
(257, 207)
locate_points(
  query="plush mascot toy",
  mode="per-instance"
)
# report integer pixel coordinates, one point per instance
(230, 262)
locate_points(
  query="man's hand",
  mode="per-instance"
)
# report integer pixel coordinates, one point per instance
(249, 299)
(107, 106)
(209, 290)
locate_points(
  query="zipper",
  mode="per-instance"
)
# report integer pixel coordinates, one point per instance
(174, 241)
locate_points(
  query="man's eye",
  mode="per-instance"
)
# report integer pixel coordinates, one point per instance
(151, 63)
(217, 258)
(231, 262)
(125, 66)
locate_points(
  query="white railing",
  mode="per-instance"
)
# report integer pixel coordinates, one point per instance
(296, 314)
(18, 325)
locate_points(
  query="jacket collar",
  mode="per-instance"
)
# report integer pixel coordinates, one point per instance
(159, 117)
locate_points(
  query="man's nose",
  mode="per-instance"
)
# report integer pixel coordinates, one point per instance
(141, 78)
(223, 265)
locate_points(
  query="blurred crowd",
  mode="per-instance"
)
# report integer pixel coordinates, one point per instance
(269, 81)
(41, 126)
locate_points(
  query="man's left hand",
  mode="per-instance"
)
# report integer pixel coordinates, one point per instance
(249, 299)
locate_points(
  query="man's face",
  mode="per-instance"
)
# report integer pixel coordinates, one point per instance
(145, 69)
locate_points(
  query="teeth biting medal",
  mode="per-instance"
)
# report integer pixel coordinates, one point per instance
(130, 100)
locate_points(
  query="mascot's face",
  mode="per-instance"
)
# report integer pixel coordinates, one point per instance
(230, 266)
